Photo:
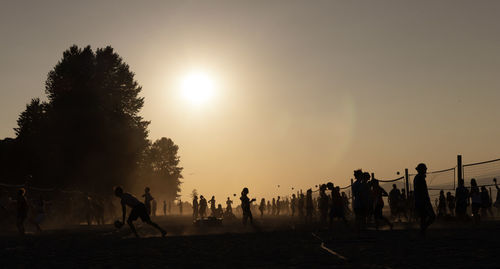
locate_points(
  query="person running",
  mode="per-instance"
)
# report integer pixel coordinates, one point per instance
(475, 197)
(450, 200)
(147, 200)
(441, 204)
(245, 206)
(394, 201)
(262, 207)
(22, 210)
(138, 211)
(229, 207)
(423, 205)
(378, 206)
(462, 200)
(195, 207)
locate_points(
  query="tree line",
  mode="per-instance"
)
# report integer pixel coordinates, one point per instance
(88, 134)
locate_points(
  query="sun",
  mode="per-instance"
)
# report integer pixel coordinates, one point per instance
(197, 88)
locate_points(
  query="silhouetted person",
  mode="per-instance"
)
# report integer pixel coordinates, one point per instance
(394, 202)
(147, 200)
(262, 207)
(309, 206)
(269, 207)
(195, 207)
(450, 201)
(138, 211)
(22, 210)
(403, 205)
(462, 200)
(219, 211)
(378, 206)
(165, 208)
(323, 203)
(441, 204)
(229, 207)
(274, 207)
(293, 204)
(475, 197)
(301, 205)
(203, 206)
(212, 206)
(278, 206)
(497, 201)
(245, 206)
(359, 200)
(180, 207)
(485, 202)
(423, 204)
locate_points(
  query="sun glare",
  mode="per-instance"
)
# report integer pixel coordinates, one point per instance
(197, 88)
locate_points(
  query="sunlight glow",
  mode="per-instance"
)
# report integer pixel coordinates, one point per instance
(197, 88)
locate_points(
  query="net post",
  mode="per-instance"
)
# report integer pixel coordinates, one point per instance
(459, 167)
(407, 185)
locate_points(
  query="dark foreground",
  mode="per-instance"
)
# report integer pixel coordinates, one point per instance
(277, 243)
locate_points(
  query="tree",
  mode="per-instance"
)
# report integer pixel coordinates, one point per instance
(162, 164)
(93, 136)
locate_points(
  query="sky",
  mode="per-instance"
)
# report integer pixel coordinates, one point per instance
(304, 91)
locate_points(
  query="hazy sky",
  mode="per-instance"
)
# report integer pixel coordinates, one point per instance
(305, 90)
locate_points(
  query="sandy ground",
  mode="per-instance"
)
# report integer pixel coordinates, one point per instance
(275, 243)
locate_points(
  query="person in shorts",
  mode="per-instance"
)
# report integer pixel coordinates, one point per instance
(138, 211)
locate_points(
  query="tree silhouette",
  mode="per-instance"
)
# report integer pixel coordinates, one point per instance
(88, 135)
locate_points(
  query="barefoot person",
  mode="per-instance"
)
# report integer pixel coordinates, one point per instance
(423, 206)
(138, 211)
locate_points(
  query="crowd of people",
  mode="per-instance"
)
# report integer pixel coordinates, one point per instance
(363, 206)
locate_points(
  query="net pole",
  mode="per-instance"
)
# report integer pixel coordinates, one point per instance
(407, 184)
(459, 167)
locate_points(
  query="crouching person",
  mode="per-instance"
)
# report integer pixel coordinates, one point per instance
(138, 211)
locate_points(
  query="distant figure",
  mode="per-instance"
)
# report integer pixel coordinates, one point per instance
(485, 202)
(203, 206)
(462, 200)
(153, 207)
(394, 202)
(138, 211)
(309, 206)
(475, 197)
(323, 203)
(403, 205)
(423, 204)
(378, 193)
(195, 207)
(293, 204)
(245, 206)
(441, 204)
(268, 209)
(359, 200)
(301, 205)
(147, 200)
(262, 207)
(450, 201)
(164, 207)
(497, 201)
(22, 210)
(180, 207)
(219, 212)
(212, 206)
(278, 206)
(273, 212)
(229, 207)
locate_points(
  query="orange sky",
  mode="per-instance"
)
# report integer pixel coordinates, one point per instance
(305, 92)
